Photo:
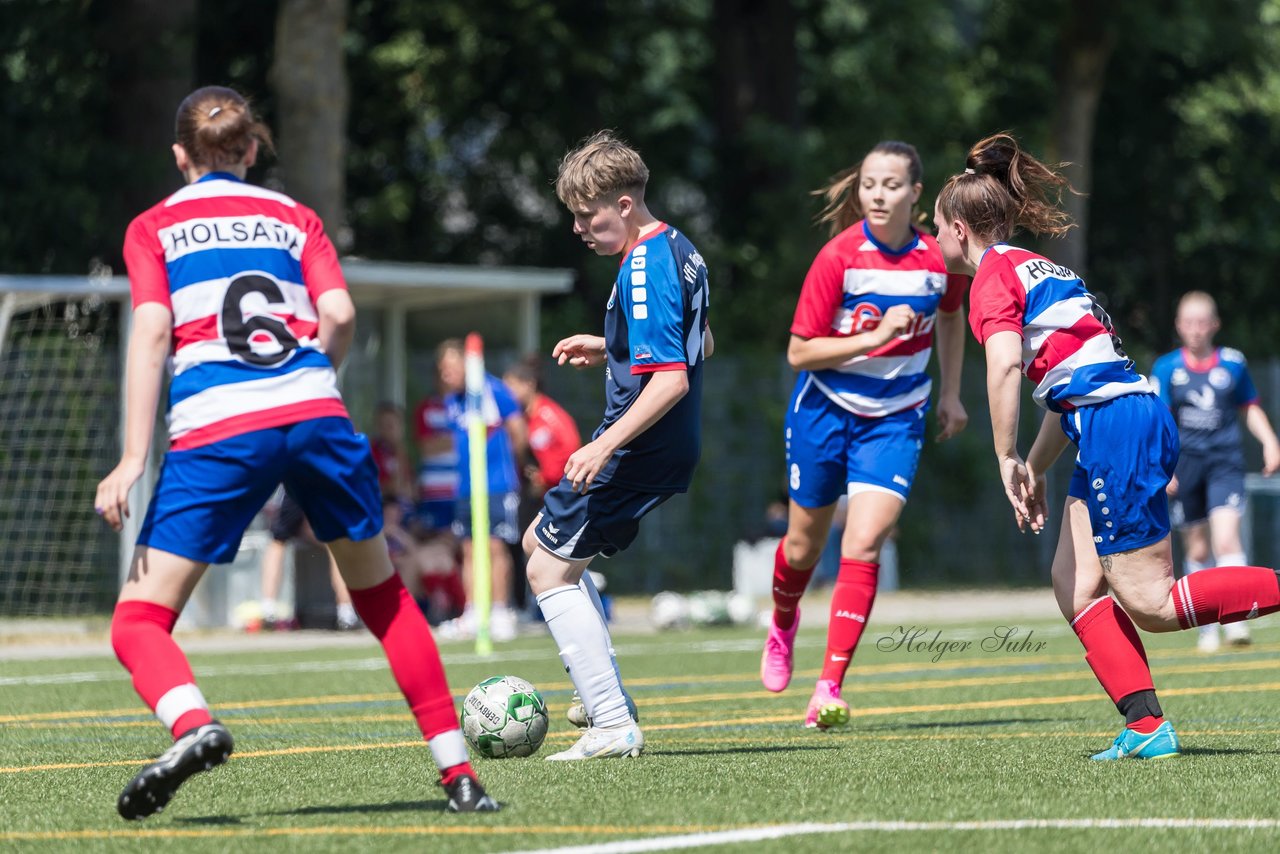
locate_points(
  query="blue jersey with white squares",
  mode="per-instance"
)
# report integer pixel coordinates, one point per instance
(655, 321)
(1205, 397)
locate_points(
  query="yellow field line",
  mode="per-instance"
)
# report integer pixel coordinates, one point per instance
(84, 719)
(1008, 703)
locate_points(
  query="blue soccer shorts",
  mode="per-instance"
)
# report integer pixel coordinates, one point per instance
(1128, 448)
(504, 517)
(605, 521)
(207, 496)
(833, 452)
(1206, 483)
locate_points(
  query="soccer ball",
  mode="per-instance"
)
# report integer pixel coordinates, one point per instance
(504, 716)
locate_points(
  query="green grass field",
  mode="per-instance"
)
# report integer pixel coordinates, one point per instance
(978, 750)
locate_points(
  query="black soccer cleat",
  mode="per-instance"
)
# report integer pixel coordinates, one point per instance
(196, 750)
(467, 795)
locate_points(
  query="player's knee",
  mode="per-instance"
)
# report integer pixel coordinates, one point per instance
(801, 551)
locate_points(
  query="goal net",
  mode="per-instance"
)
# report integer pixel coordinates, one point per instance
(60, 369)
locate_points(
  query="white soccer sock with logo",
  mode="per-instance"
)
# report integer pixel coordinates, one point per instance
(580, 634)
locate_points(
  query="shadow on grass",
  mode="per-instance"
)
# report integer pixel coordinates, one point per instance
(781, 748)
(896, 726)
(1226, 751)
(209, 820)
(340, 809)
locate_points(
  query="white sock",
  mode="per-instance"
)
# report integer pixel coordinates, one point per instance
(346, 612)
(1233, 559)
(583, 641)
(588, 586)
(269, 607)
(448, 748)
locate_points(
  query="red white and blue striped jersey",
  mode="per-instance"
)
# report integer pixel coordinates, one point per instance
(241, 268)
(1069, 347)
(852, 282)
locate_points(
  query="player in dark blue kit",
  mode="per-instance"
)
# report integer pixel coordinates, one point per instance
(656, 339)
(1206, 386)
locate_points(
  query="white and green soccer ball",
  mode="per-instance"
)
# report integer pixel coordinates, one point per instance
(504, 716)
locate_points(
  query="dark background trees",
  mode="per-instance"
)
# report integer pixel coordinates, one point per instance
(458, 113)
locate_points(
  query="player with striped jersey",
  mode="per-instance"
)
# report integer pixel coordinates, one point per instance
(239, 290)
(861, 340)
(1036, 317)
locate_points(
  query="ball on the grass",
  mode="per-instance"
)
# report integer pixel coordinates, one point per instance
(504, 716)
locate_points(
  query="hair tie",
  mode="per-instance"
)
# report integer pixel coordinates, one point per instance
(969, 171)
(214, 111)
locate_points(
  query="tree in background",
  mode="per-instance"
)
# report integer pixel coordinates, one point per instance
(308, 76)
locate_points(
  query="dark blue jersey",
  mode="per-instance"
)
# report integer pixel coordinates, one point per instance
(655, 321)
(1205, 397)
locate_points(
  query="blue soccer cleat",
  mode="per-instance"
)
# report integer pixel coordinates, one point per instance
(1160, 744)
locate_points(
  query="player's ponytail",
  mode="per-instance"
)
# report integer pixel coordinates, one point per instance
(1004, 188)
(216, 126)
(842, 208)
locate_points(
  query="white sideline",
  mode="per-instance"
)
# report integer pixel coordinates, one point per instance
(781, 831)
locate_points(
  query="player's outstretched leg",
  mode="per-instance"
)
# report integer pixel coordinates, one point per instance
(1115, 653)
(577, 711)
(583, 641)
(199, 749)
(777, 660)
(398, 624)
(851, 601)
(141, 635)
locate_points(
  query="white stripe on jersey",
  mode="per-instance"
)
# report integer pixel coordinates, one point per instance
(220, 402)
(1098, 350)
(254, 231)
(887, 367)
(1060, 315)
(875, 407)
(205, 299)
(893, 283)
(1111, 391)
(219, 188)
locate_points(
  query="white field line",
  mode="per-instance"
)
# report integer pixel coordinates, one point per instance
(782, 831)
(752, 644)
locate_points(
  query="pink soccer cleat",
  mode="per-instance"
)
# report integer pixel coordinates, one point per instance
(826, 709)
(779, 649)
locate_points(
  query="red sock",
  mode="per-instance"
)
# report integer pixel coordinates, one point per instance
(141, 635)
(1226, 594)
(850, 606)
(395, 620)
(1115, 654)
(453, 772)
(788, 586)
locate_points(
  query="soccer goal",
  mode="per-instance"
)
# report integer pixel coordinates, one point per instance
(61, 360)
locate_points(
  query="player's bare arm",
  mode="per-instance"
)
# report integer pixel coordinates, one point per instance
(1255, 419)
(708, 343)
(952, 416)
(148, 350)
(580, 351)
(663, 390)
(815, 354)
(337, 324)
(1004, 376)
